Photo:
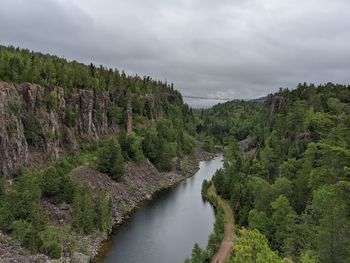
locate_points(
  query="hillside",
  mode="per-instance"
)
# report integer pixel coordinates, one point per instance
(80, 147)
(291, 197)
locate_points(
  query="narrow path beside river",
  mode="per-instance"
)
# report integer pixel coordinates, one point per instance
(225, 248)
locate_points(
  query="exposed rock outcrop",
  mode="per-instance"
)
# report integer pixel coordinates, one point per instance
(13, 145)
(39, 123)
(276, 104)
(246, 147)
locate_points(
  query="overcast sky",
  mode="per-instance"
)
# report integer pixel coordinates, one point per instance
(237, 49)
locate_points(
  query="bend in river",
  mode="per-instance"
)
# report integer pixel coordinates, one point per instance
(166, 229)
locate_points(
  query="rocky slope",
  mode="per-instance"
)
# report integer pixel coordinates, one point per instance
(12, 253)
(138, 184)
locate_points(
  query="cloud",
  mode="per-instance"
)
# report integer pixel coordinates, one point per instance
(228, 48)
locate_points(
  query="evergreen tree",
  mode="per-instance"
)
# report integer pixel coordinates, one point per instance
(110, 159)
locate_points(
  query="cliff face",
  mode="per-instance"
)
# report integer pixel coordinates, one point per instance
(38, 123)
(13, 146)
(275, 104)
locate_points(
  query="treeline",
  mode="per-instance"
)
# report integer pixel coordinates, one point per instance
(237, 119)
(22, 65)
(293, 194)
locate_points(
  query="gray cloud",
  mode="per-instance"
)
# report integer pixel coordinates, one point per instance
(228, 48)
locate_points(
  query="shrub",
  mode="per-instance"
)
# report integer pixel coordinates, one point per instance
(70, 117)
(67, 188)
(31, 128)
(163, 162)
(103, 210)
(188, 145)
(150, 144)
(51, 101)
(50, 241)
(116, 114)
(209, 145)
(110, 159)
(135, 152)
(21, 230)
(83, 210)
(50, 181)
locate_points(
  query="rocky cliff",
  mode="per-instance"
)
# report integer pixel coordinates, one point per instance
(37, 123)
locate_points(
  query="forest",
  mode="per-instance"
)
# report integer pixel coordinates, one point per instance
(286, 173)
(161, 132)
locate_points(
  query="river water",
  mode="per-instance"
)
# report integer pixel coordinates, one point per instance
(165, 230)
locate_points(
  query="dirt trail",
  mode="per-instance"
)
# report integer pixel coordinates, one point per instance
(225, 248)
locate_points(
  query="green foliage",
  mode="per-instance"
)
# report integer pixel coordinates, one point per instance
(31, 129)
(22, 231)
(262, 192)
(51, 101)
(187, 145)
(209, 145)
(135, 148)
(56, 182)
(22, 216)
(283, 220)
(165, 154)
(332, 212)
(253, 247)
(21, 65)
(234, 119)
(91, 214)
(50, 181)
(116, 114)
(131, 146)
(294, 190)
(198, 255)
(162, 143)
(151, 144)
(70, 117)
(103, 210)
(83, 215)
(21, 213)
(50, 240)
(308, 257)
(260, 221)
(110, 159)
(165, 130)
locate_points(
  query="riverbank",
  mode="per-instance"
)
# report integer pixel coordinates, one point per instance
(225, 248)
(139, 185)
(220, 241)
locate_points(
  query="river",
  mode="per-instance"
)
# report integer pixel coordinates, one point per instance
(165, 229)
